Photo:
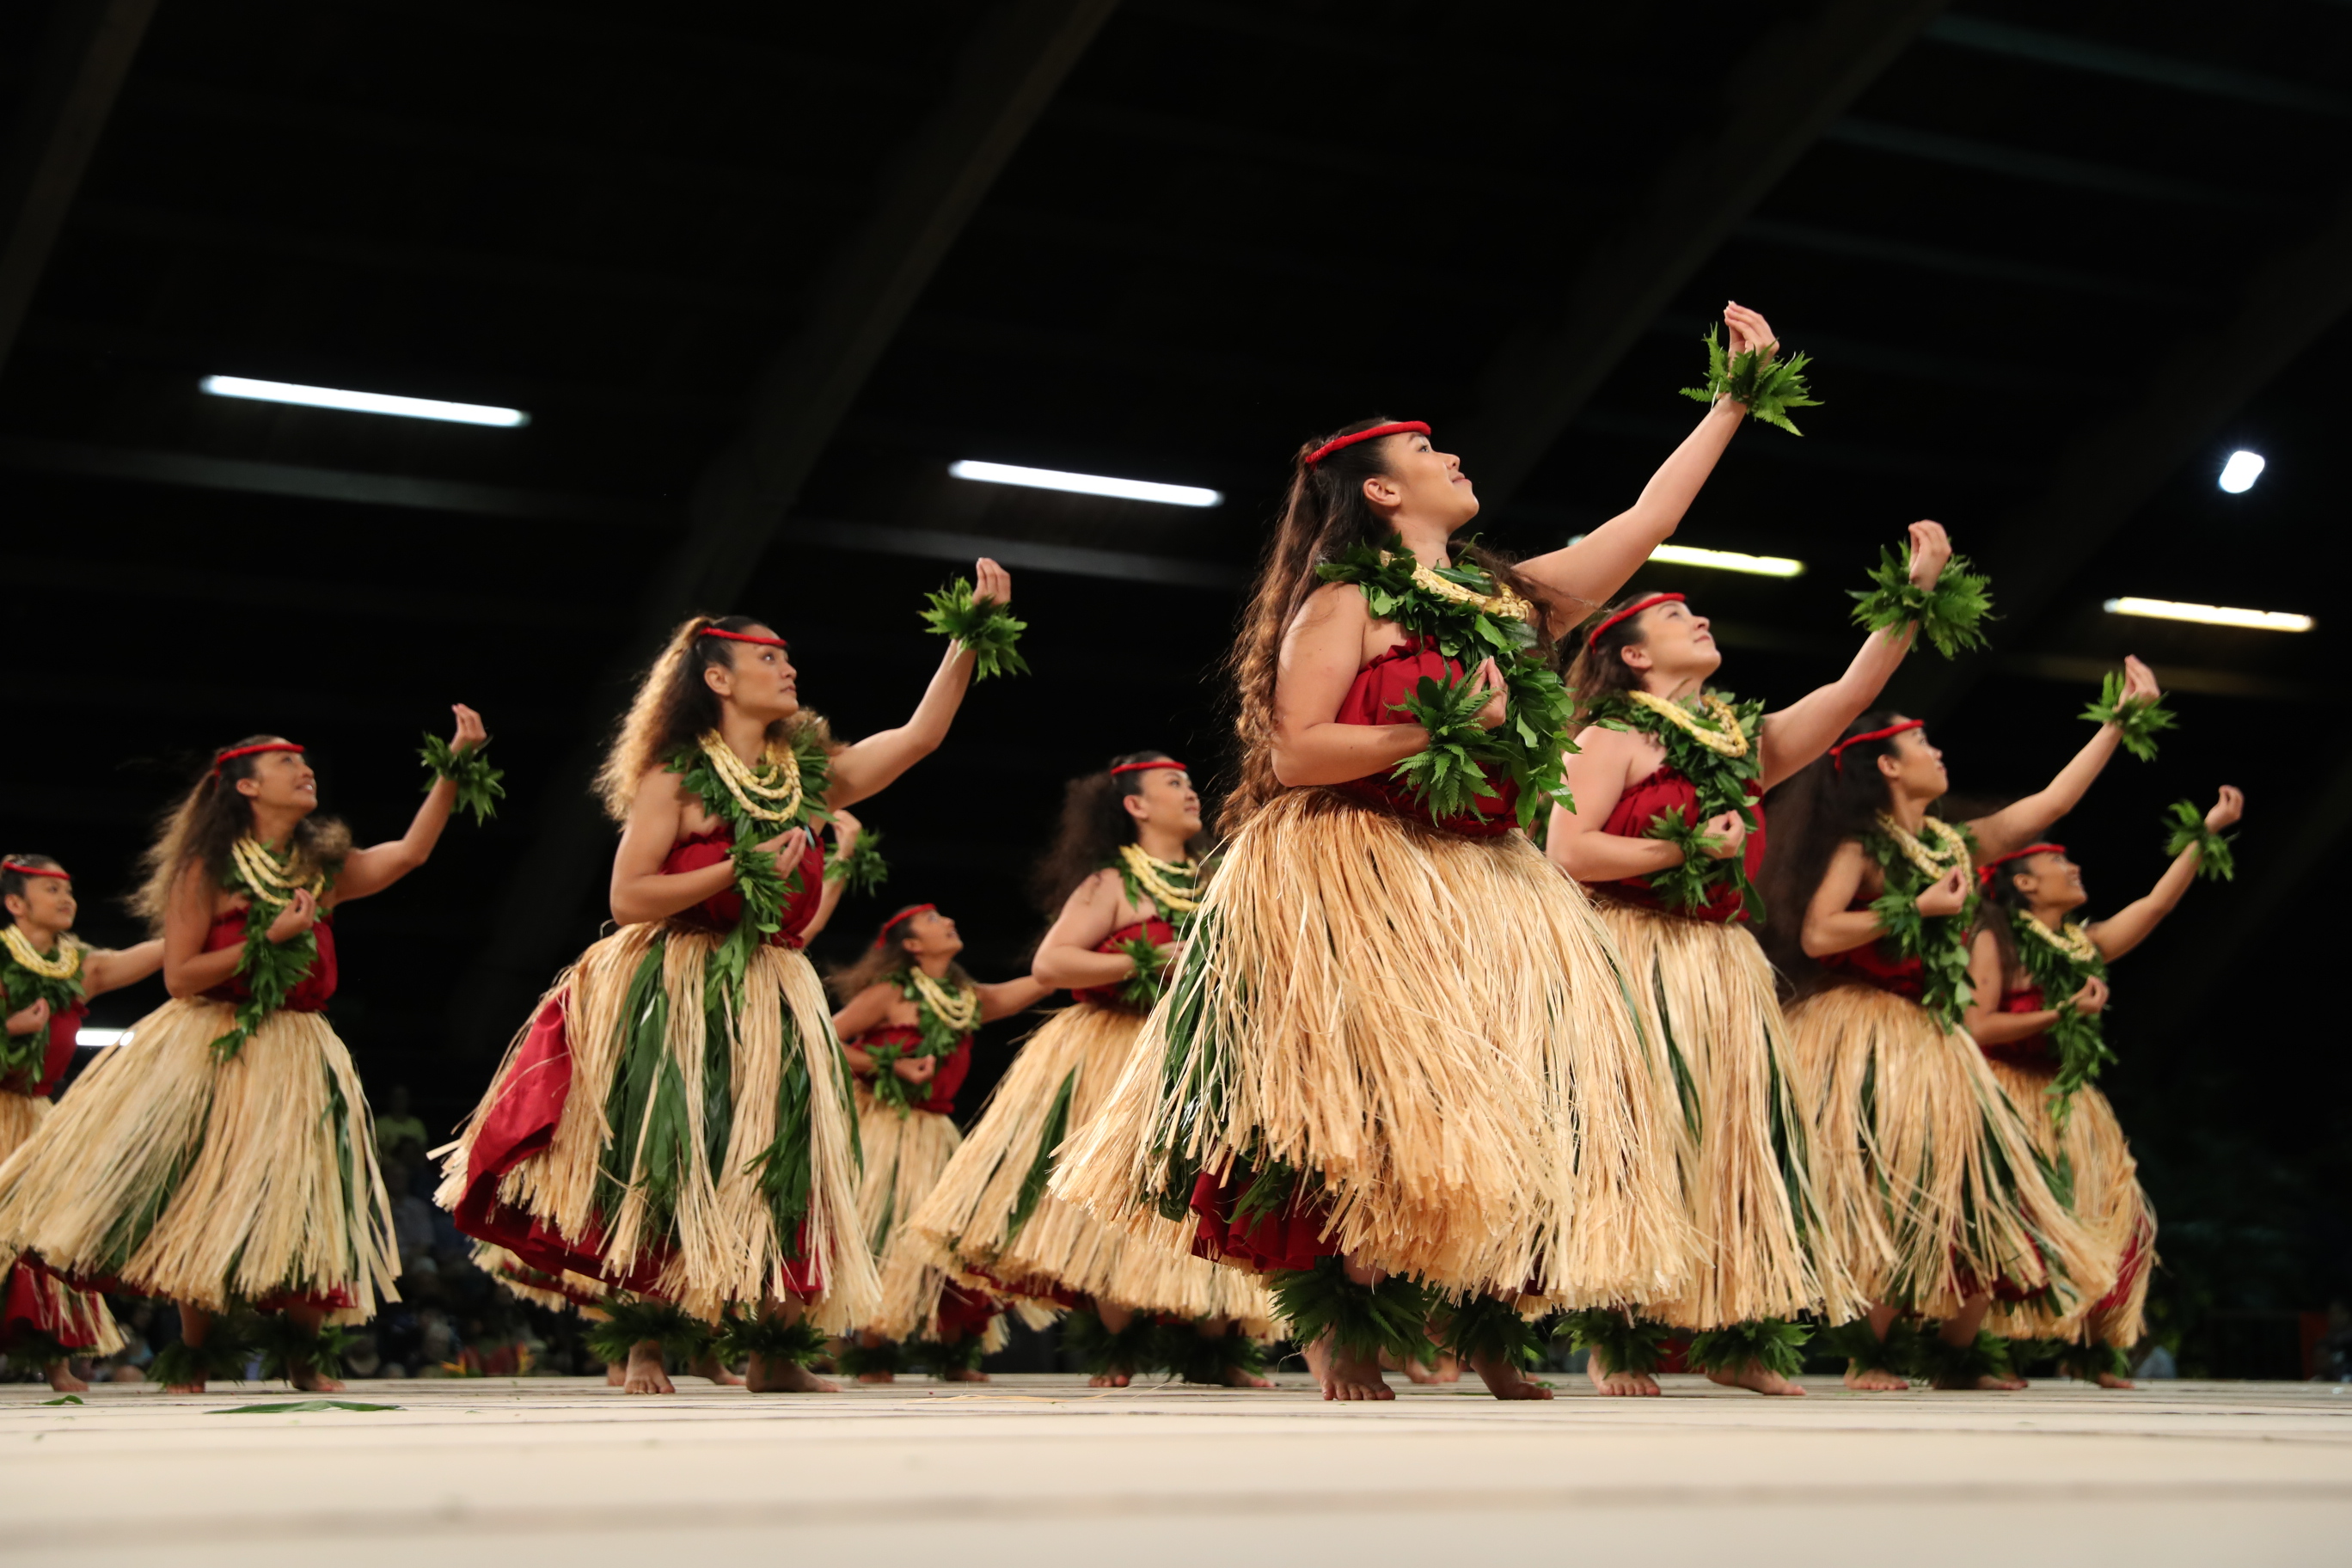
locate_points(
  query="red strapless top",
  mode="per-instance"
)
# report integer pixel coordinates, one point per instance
(310, 994)
(1667, 790)
(939, 1095)
(721, 911)
(1869, 963)
(2033, 1051)
(1378, 688)
(1160, 932)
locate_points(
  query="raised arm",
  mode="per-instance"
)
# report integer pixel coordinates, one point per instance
(2022, 822)
(1803, 731)
(1578, 843)
(874, 764)
(641, 890)
(112, 969)
(1003, 998)
(1320, 654)
(1066, 957)
(379, 865)
(2132, 924)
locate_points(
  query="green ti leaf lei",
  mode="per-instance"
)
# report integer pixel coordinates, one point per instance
(1951, 613)
(2139, 720)
(985, 627)
(478, 788)
(1721, 783)
(1141, 989)
(937, 1039)
(1939, 942)
(23, 1056)
(1462, 760)
(865, 870)
(2079, 1039)
(763, 885)
(1768, 385)
(271, 969)
(2215, 859)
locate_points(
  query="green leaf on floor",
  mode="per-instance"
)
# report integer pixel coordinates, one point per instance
(64, 1399)
(294, 1406)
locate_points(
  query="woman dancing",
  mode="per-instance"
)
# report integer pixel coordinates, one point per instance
(908, 1013)
(230, 1158)
(1932, 1192)
(2042, 1038)
(47, 979)
(1396, 1052)
(1122, 882)
(1667, 835)
(675, 1121)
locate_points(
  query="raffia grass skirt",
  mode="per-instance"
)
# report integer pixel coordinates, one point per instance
(2101, 1179)
(208, 1181)
(1708, 997)
(1931, 1186)
(906, 1153)
(1436, 1034)
(670, 1122)
(561, 1292)
(76, 1318)
(990, 1222)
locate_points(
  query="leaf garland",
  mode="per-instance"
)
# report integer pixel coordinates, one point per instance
(935, 1037)
(478, 788)
(2079, 1039)
(2140, 720)
(1528, 748)
(1362, 1320)
(1951, 613)
(1721, 784)
(985, 627)
(1939, 942)
(763, 886)
(1486, 1330)
(1623, 1341)
(26, 1055)
(1140, 989)
(1759, 378)
(1774, 1344)
(2215, 859)
(862, 871)
(271, 970)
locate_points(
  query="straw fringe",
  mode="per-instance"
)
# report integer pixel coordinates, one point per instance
(1930, 1182)
(2103, 1188)
(521, 1280)
(1707, 995)
(905, 1156)
(21, 1116)
(259, 1171)
(1435, 1029)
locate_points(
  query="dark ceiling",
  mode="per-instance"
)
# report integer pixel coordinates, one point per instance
(760, 273)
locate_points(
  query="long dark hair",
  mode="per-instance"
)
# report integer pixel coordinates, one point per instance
(674, 705)
(885, 958)
(1324, 514)
(2004, 899)
(1598, 670)
(1094, 825)
(13, 883)
(211, 817)
(1831, 799)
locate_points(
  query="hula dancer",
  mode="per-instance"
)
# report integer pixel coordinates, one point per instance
(674, 1120)
(1122, 882)
(47, 979)
(229, 1159)
(1668, 832)
(1395, 1058)
(906, 1018)
(1934, 1195)
(2044, 1038)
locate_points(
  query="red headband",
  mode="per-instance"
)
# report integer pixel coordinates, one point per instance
(1138, 767)
(1630, 611)
(1377, 431)
(883, 936)
(23, 870)
(1837, 752)
(1984, 872)
(249, 751)
(741, 636)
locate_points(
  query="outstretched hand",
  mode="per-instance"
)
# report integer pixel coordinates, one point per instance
(1748, 330)
(470, 731)
(991, 581)
(2139, 681)
(1931, 547)
(2226, 810)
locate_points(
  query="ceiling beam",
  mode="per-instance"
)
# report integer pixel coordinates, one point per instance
(1952, 263)
(1783, 94)
(2049, 168)
(89, 51)
(2134, 65)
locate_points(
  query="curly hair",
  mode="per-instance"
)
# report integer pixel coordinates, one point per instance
(1093, 824)
(674, 705)
(211, 817)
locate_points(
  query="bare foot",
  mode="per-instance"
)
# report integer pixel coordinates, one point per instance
(963, 1374)
(1242, 1377)
(707, 1364)
(63, 1381)
(1634, 1384)
(1994, 1383)
(1758, 1377)
(645, 1374)
(874, 1378)
(184, 1388)
(762, 1376)
(1110, 1380)
(1446, 1368)
(312, 1381)
(1504, 1380)
(2104, 1380)
(1347, 1377)
(616, 1374)
(1876, 1380)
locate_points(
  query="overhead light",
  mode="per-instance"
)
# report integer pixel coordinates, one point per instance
(86, 1036)
(2210, 614)
(1085, 484)
(1727, 560)
(364, 402)
(2239, 474)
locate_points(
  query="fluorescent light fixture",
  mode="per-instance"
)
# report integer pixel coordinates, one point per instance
(86, 1036)
(1727, 560)
(364, 402)
(1085, 484)
(2239, 474)
(2210, 614)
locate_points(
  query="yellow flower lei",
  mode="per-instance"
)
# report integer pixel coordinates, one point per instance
(265, 875)
(1727, 739)
(1151, 875)
(1951, 848)
(958, 1009)
(1502, 601)
(64, 966)
(2070, 939)
(776, 783)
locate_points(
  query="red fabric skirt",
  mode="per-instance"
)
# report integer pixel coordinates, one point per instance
(1292, 1238)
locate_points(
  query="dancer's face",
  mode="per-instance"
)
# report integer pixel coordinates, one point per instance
(1165, 798)
(1676, 646)
(2049, 880)
(46, 906)
(1421, 482)
(930, 935)
(1914, 769)
(281, 781)
(758, 681)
